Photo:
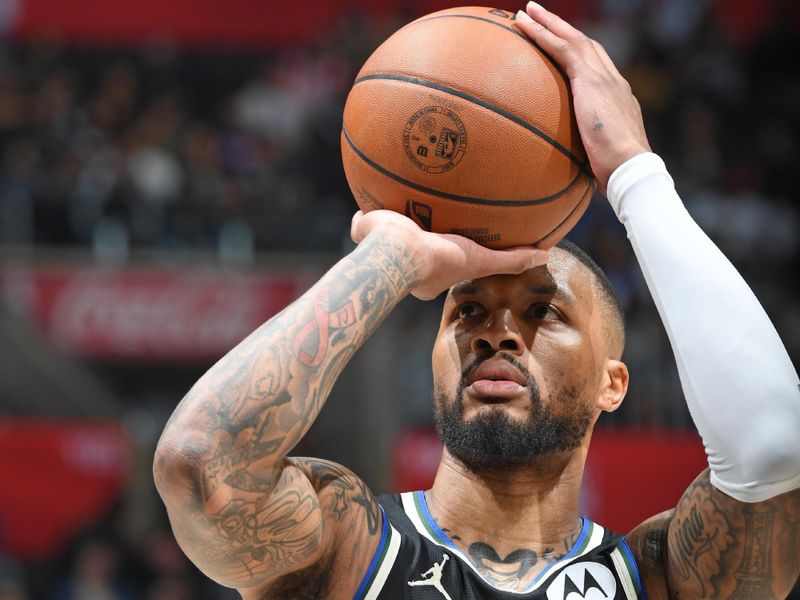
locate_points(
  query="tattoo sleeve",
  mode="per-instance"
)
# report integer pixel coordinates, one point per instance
(719, 547)
(240, 509)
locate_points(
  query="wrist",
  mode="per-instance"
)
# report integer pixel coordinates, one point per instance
(397, 252)
(641, 166)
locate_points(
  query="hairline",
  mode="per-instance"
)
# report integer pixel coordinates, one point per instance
(614, 321)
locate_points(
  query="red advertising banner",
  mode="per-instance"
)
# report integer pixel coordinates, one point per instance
(630, 474)
(146, 314)
(56, 478)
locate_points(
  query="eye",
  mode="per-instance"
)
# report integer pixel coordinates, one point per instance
(544, 311)
(469, 310)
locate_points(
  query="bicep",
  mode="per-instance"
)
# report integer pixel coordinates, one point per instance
(648, 542)
(719, 547)
(245, 538)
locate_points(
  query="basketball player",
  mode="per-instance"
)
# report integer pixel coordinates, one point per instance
(526, 358)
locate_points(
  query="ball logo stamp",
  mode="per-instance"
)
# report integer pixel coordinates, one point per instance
(435, 139)
(420, 213)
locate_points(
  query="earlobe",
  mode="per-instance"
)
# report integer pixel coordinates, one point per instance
(614, 386)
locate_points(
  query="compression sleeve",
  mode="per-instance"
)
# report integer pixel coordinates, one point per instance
(739, 382)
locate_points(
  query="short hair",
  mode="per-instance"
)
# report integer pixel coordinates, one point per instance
(614, 327)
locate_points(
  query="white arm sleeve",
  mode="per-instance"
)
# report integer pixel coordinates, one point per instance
(740, 385)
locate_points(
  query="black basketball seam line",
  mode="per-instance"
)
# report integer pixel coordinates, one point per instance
(571, 212)
(565, 219)
(550, 59)
(483, 103)
(455, 197)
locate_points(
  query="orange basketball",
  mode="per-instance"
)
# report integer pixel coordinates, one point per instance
(462, 123)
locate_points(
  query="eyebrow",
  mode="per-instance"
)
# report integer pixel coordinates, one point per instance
(471, 288)
(545, 289)
(553, 290)
(465, 288)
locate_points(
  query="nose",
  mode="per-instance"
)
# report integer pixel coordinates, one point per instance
(499, 332)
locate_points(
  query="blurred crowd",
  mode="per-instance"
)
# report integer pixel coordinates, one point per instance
(162, 148)
(102, 566)
(166, 149)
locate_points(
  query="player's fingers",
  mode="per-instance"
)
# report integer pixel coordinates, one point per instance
(555, 24)
(357, 232)
(557, 47)
(512, 261)
(573, 56)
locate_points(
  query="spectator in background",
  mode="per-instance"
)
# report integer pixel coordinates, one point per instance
(95, 574)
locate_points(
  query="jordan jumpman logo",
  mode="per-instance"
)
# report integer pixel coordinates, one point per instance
(433, 576)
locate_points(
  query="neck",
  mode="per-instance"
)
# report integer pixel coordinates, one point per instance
(512, 522)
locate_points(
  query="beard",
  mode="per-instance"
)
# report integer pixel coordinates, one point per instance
(492, 439)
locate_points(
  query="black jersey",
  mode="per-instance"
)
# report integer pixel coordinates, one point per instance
(416, 560)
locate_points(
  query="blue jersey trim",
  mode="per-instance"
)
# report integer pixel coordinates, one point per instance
(426, 513)
(572, 552)
(375, 558)
(638, 581)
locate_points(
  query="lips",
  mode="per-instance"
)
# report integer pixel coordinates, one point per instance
(496, 370)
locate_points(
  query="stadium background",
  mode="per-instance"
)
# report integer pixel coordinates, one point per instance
(170, 177)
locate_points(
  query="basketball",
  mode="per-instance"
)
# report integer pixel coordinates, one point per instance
(460, 122)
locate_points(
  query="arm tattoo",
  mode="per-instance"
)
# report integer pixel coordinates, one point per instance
(754, 575)
(719, 547)
(277, 531)
(347, 492)
(242, 418)
(699, 537)
(263, 396)
(653, 544)
(348, 500)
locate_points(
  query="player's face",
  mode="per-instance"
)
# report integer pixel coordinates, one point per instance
(518, 362)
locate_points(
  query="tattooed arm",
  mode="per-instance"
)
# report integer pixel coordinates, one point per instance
(713, 546)
(241, 510)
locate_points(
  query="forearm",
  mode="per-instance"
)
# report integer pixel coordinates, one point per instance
(740, 385)
(251, 408)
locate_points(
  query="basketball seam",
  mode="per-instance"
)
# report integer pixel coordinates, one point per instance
(480, 102)
(565, 219)
(557, 66)
(456, 197)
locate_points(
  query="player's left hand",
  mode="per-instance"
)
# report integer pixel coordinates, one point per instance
(609, 116)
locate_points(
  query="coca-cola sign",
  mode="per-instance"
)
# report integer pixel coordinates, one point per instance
(148, 314)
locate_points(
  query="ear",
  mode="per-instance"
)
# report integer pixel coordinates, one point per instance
(614, 386)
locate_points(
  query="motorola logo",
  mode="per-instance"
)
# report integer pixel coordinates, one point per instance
(583, 581)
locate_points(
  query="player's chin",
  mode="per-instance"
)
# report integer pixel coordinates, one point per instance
(515, 406)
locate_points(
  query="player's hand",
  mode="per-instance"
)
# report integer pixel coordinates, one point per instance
(441, 259)
(609, 116)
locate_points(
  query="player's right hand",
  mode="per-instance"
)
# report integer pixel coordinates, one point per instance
(441, 260)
